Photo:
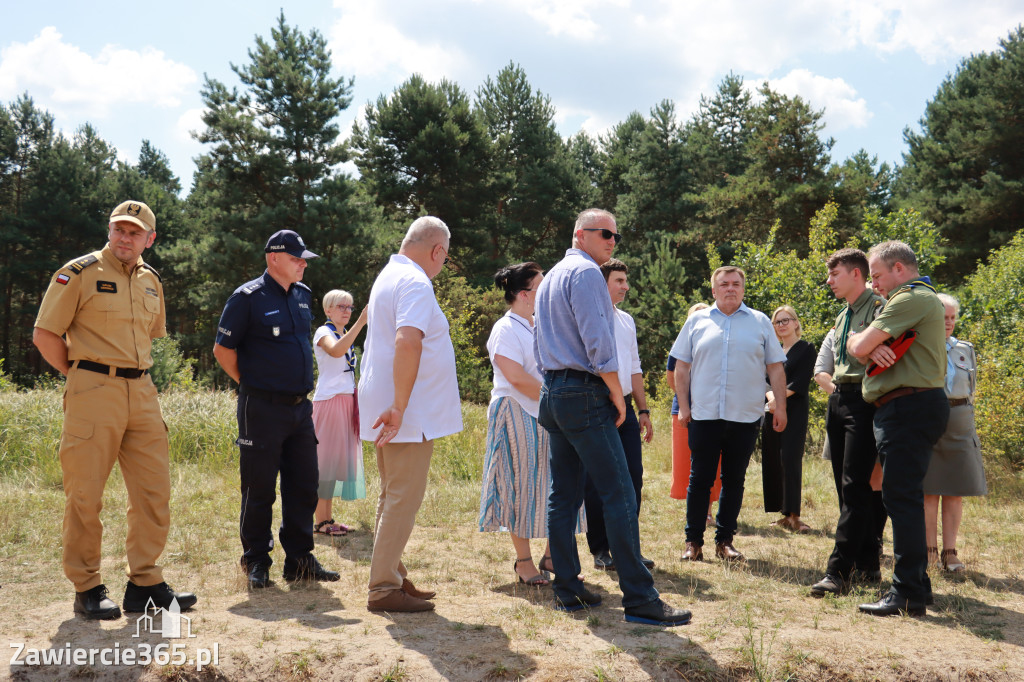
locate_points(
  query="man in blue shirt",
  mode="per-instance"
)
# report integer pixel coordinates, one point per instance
(263, 344)
(581, 406)
(722, 355)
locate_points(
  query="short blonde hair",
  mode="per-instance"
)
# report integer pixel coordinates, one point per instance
(695, 307)
(334, 297)
(789, 309)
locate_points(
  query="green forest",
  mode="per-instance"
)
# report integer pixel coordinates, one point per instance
(748, 179)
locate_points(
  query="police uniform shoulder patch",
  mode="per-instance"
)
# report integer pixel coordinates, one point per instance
(300, 284)
(76, 266)
(251, 287)
(153, 270)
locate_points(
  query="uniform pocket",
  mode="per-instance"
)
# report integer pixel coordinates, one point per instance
(78, 428)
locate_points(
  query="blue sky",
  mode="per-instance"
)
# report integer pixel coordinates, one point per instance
(134, 69)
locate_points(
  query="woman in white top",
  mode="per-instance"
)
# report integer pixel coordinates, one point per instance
(516, 477)
(336, 412)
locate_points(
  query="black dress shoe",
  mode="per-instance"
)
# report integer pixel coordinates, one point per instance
(657, 612)
(95, 605)
(309, 570)
(830, 584)
(583, 600)
(893, 604)
(136, 597)
(258, 576)
(603, 561)
(649, 563)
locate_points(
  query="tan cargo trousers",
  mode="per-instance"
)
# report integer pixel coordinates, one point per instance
(108, 419)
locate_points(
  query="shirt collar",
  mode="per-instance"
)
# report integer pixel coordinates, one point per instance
(520, 318)
(742, 309)
(579, 252)
(405, 260)
(269, 281)
(862, 299)
(112, 260)
(951, 341)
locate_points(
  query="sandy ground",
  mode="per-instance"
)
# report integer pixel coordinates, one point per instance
(750, 622)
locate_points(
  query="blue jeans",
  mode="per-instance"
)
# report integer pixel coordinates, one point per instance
(734, 441)
(577, 412)
(629, 436)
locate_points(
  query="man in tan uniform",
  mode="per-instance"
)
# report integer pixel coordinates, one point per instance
(95, 326)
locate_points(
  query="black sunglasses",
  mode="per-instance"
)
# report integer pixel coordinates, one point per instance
(605, 234)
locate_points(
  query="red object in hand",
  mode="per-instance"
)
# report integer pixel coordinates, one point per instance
(899, 346)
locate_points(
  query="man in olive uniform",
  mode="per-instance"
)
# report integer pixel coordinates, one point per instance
(850, 429)
(263, 343)
(95, 326)
(911, 411)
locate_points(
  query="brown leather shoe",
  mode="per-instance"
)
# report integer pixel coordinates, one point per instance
(693, 552)
(397, 601)
(725, 550)
(411, 590)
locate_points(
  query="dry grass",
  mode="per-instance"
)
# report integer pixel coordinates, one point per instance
(752, 622)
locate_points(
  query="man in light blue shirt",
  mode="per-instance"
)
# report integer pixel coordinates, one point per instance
(722, 354)
(581, 406)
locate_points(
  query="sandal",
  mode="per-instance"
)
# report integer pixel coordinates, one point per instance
(551, 567)
(539, 580)
(950, 561)
(331, 529)
(779, 523)
(797, 526)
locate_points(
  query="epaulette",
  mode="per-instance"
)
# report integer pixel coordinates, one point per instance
(153, 270)
(304, 286)
(76, 266)
(965, 342)
(251, 287)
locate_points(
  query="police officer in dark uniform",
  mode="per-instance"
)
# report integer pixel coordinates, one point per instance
(911, 411)
(263, 343)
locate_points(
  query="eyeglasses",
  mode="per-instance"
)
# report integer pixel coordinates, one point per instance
(342, 306)
(783, 321)
(446, 258)
(605, 233)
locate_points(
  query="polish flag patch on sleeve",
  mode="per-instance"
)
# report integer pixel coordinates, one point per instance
(63, 278)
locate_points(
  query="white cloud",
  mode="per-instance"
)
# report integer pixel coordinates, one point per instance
(63, 77)
(843, 109)
(191, 120)
(368, 44)
(572, 18)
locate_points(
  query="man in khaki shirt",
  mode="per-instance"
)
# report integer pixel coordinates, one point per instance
(911, 411)
(95, 326)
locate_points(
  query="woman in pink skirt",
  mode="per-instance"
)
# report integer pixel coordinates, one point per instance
(336, 412)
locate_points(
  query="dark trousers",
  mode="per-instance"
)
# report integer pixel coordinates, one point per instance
(276, 439)
(735, 442)
(629, 435)
(851, 439)
(782, 471)
(578, 414)
(906, 429)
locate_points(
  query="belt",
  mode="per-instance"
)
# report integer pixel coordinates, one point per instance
(123, 372)
(899, 393)
(574, 373)
(848, 387)
(957, 402)
(273, 396)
